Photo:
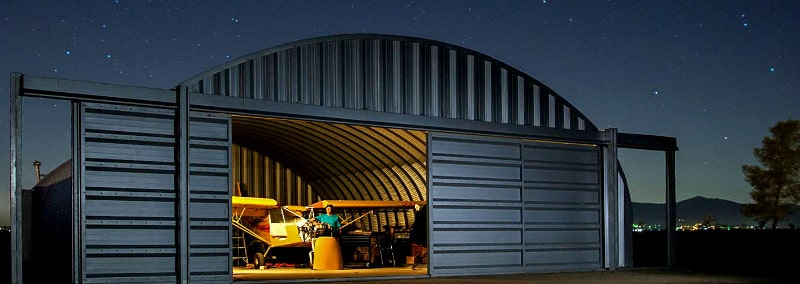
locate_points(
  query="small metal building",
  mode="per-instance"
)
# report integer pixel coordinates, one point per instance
(517, 180)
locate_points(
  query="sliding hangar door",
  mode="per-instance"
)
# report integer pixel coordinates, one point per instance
(130, 207)
(513, 206)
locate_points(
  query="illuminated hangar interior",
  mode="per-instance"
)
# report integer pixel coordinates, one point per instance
(299, 162)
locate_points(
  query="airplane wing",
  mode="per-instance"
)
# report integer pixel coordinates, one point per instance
(366, 204)
(252, 206)
(367, 207)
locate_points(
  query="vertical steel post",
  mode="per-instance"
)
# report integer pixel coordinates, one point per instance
(670, 204)
(78, 226)
(431, 211)
(15, 115)
(182, 183)
(612, 199)
(230, 192)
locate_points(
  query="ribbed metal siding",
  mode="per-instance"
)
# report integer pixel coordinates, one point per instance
(130, 201)
(258, 175)
(476, 205)
(128, 208)
(393, 74)
(563, 211)
(503, 206)
(209, 198)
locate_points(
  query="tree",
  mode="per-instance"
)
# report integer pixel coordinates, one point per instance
(776, 185)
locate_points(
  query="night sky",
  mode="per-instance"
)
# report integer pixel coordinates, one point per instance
(714, 74)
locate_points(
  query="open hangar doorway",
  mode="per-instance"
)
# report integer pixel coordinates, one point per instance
(301, 162)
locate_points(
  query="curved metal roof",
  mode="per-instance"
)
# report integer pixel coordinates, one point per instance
(376, 73)
(390, 73)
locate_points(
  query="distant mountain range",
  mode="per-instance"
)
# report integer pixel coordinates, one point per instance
(694, 210)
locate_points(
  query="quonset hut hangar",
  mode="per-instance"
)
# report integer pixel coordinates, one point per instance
(515, 178)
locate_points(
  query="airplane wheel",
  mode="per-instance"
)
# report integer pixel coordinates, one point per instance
(258, 260)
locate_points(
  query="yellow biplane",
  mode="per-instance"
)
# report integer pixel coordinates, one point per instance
(266, 221)
(284, 226)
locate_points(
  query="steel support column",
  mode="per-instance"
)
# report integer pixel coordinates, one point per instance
(182, 183)
(78, 229)
(670, 198)
(15, 120)
(612, 200)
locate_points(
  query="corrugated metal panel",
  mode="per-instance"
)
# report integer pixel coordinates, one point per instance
(259, 175)
(209, 198)
(129, 194)
(130, 202)
(475, 205)
(392, 74)
(512, 206)
(563, 209)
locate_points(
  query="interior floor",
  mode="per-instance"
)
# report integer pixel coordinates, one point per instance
(282, 274)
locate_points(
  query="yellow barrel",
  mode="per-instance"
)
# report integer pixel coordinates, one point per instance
(327, 254)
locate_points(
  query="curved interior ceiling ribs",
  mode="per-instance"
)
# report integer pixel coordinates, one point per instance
(343, 161)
